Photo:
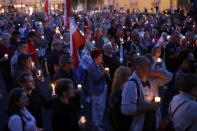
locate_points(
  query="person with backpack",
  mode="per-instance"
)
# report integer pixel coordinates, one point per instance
(20, 119)
(183, 108)
(118, 120)
(138, 95)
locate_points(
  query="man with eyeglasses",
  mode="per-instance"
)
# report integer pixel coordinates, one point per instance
(66, 67)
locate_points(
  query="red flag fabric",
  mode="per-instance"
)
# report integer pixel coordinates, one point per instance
(47, 10)
(66, 13)
(76, 41)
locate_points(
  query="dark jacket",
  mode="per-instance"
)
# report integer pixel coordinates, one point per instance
(95, 79)
(36, 101)
(61, 74)
(119, 121)
(13, 42)
(65, 117)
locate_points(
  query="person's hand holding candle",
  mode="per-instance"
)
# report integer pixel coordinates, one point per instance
(53, 89)
(82, 122)
(79, 87)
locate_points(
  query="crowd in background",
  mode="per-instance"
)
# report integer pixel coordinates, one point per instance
(128, 60)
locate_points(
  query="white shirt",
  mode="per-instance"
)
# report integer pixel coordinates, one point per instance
(15, 123)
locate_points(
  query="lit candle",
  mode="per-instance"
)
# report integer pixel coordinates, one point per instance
(138, 54)
(6, 56)
(121, 60)
(93, 42)
(37, 49)
(61, 37)
(32, 64)
(121, 40)
(42, 37)
(157, 99)
(39, 72)
(19, 24)
(107, 69)
(79, 86)
(53, 89)
(82, 119)
(159, 60)
(128, 38)
(168, 37)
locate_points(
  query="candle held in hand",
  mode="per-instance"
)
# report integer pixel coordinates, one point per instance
(157, 99)
(42, 37)
(107, 69)
(121, 60)
(6, 56)
(82, 119)
(79, 86)
(32, 64)
(159, 60)
(39, 72)
(53, 89)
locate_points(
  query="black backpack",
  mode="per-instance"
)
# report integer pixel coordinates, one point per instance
(118, 120)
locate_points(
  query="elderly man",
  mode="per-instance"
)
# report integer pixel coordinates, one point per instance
(55, 54)
(6, 49)
(138, 95)
(110, 60)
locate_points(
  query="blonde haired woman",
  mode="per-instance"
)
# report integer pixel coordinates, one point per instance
(118, 120)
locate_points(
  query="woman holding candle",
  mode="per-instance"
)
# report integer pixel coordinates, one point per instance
(98, 87)
(65, 115)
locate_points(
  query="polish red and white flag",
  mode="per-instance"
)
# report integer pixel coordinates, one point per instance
(66, 13)
(76, 41)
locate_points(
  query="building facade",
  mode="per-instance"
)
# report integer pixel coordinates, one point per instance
(141, 4)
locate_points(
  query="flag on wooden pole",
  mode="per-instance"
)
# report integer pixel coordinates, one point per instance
(76, 41)
(47, 10)
(66, 13)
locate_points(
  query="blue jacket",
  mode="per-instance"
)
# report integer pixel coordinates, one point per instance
(95, 79)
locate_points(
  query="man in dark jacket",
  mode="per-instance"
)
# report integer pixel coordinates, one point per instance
(15, 38)
(65, 116)
(66, 67)
(36, 99)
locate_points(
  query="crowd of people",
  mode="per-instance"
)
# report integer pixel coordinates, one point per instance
(136, 69)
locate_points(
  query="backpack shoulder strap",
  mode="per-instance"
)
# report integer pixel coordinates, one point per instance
(138, 89)
(173, 113)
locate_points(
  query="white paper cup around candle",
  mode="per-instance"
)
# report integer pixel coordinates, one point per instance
(138, 54)
(107, 69)
(82, 119)
(93, 42)
(53, 89)
(79, 86)
(6, 56)
(157, 99)
(61, 37)
(37, 49)
(42, 37)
